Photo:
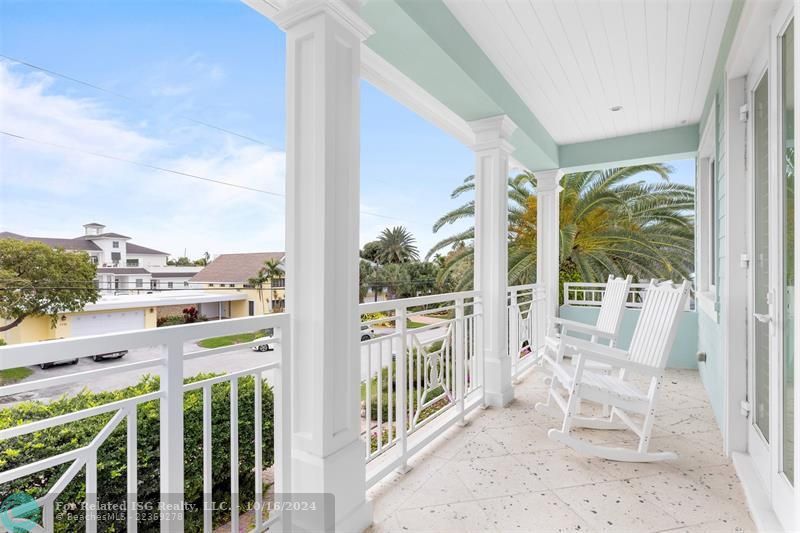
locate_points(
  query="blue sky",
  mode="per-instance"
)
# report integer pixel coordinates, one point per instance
(178, 63)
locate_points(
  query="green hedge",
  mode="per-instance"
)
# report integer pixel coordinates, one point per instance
(111, 468)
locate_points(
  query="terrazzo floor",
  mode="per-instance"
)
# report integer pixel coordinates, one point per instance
(502, 473)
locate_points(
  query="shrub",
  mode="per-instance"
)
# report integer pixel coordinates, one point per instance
(174, 320)
(111, 460)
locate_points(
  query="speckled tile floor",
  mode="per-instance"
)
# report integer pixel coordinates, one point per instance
(502, 473)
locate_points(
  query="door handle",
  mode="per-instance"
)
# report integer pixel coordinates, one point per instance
(766, 319)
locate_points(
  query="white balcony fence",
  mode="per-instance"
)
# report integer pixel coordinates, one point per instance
(527, 325)
(421, 371)
(168, 362)
(591, 295)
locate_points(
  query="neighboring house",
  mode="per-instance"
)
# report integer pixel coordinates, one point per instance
(232, 273)
(122, 266)
(117, 313)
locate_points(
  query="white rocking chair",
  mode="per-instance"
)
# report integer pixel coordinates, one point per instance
(606, 328)
(647, 356)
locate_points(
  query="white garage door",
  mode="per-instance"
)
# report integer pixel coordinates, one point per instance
(99, 323)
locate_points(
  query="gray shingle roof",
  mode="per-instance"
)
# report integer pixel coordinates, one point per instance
(136, 249)
(235, 268)
(82, 243)
(68, 244)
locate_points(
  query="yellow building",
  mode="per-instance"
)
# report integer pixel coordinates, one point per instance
(235, 274)
(112, 314)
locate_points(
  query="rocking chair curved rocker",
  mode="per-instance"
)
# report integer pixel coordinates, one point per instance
(647, 357)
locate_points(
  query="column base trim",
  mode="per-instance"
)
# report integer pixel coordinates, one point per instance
(500, 399)
(358, 520)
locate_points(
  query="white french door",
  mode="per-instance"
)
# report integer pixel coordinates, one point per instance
(771, 360)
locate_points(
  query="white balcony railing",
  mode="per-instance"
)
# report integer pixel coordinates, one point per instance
(527, 323)
(421, 371)
(591, 295)
(172, 347)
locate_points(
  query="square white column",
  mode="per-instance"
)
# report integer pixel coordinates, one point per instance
(492, 150)
(547, 234)
(323, 67)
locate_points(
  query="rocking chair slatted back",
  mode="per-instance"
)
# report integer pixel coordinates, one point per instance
(613, 305)
(658, 323)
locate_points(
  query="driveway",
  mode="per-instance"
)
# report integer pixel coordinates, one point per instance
(227, 362)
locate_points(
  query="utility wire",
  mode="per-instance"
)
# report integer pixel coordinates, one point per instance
(128, 98)
(168, 170)
(184, 117)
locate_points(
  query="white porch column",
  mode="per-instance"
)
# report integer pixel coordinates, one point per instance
(547, 234)
(323, 65)
(492, 150)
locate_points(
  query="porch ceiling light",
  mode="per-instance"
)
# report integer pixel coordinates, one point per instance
(615, 108)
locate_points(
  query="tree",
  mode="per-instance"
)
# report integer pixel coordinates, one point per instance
(609, 224)
(269, 272)
(37, 280)
(181, 261)
(372, 251)
(397, 245)
(204, 260)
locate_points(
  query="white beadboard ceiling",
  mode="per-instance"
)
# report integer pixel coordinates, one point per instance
(572, 60)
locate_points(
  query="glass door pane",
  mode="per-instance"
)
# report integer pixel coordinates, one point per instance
(761, 257)
(787, 146)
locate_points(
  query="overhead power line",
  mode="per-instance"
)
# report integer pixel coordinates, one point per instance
(130, 99)
(165, 169)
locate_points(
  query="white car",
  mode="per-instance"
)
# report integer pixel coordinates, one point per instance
(367, 333)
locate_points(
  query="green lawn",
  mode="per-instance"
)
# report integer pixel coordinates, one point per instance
(12, 375)
(229, 340)
(410, 324)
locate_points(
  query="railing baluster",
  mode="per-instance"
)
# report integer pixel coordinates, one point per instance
(258, 405)
(171, 444)
(208, 487)
(132, 474)
(379, 399)
(389, 392)
(460, 358)
(234, 454)
(48, 516)
(91, 491)
(368, 395)
(402, 385)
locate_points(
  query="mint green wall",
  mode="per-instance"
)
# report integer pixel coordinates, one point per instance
(710, 332)
(684, 351)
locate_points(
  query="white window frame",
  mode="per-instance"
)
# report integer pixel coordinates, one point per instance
(706, 213)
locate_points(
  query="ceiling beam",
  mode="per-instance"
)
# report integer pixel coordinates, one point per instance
(639, 148)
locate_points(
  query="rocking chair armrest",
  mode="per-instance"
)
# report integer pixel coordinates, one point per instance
(611, 356)
(580, 327)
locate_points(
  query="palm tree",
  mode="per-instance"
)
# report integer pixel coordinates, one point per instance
(397, 245)
(609, 224)
(271, 271)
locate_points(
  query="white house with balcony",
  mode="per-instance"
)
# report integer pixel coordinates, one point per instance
(446, 436)
(122, 266)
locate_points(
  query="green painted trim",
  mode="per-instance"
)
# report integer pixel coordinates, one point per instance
(639, 148)
(425, 41)
(722, 57)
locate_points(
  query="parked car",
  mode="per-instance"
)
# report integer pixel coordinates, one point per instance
(51, 364)
(367, 333)
(110, 355)
(263, 348)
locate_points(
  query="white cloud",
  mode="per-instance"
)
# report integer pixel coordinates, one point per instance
(47, 190)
